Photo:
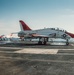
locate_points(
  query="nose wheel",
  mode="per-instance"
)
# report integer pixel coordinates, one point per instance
(67, 42)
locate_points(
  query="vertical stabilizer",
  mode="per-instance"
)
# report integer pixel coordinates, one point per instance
(24, 26)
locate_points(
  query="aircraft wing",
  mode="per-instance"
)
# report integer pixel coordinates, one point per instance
(46, 36)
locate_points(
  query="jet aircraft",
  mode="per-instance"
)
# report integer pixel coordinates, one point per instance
(43, 34)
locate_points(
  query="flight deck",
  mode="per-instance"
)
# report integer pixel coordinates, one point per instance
(36, 60)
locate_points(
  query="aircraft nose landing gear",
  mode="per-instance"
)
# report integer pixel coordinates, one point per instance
(67, 42)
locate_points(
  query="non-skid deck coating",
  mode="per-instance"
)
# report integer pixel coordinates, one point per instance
(37, 60)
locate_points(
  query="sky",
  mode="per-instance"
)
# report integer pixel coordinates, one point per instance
(37, 14)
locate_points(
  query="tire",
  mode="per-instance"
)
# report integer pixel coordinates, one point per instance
(67, 43)
(40, 43)
(44, 42)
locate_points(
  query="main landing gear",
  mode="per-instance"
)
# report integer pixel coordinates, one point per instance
(42, 41)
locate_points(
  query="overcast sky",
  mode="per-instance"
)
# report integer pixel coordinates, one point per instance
(37, 14)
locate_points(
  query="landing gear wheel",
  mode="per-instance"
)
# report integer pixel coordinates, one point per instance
(44, 42)
(67, 43)
(40, 43)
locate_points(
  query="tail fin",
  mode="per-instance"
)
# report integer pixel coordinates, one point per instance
(24, 26)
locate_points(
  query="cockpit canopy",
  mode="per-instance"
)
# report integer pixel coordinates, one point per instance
(58, 29)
